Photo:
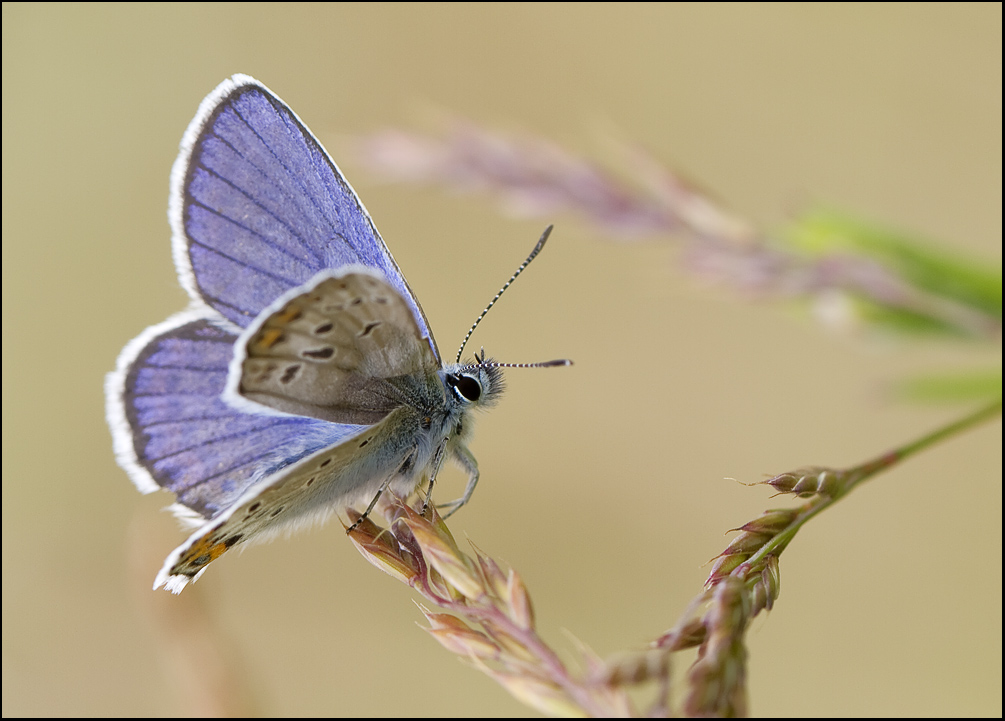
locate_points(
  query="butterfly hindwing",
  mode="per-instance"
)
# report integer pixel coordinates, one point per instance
(302, 493)
(259, 207)
(173, 430)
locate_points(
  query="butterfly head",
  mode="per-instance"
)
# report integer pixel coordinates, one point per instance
(479, 384)
(475, 385)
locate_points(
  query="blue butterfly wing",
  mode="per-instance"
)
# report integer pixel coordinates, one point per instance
(259, 207)
(172, 430)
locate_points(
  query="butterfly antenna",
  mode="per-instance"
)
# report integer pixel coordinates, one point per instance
(533, 254)
(495, 364)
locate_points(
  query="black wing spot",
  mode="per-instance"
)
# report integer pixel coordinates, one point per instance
(322, 329)
(320, 353)
(369, 328)
(290, 373)
(233, 539)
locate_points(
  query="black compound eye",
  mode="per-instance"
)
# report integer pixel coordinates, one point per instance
(468, 387)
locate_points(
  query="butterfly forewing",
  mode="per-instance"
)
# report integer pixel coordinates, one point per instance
(259, 207)
(328, 350)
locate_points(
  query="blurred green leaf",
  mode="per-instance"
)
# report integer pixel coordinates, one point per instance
(905, 321)
(977, 284)
(945, 388)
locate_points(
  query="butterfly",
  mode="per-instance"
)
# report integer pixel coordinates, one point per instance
(303, 378)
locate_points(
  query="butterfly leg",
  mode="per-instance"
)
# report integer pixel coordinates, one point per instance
(369, 508)
(467, 461)
(383, 486)
(435, 466)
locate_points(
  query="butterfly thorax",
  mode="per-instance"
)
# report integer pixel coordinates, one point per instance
(442, 406)
(432, 419)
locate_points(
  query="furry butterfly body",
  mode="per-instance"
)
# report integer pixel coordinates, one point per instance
(303, 379)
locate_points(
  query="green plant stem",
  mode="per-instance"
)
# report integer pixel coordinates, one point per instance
(857, 474)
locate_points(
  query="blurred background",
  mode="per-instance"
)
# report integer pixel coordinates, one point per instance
(608, 484)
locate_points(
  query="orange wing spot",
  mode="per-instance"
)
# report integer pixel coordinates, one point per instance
(269, 337)
(288, 314)
(202, 553)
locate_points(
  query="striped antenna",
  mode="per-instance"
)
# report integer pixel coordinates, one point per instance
(533, 254)
(493, 364)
